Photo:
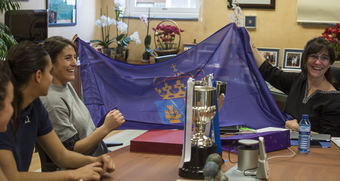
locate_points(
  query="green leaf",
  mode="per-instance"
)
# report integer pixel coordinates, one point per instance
(6, 40)
(7, 5)
(147, 41)
(120, 37)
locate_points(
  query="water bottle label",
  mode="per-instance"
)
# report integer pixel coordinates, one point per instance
(304, 129)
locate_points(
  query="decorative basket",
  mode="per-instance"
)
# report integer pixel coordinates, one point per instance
(167, 48)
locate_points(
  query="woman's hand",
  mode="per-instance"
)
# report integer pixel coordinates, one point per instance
(91, 171)
(107, 162)
(292, 124)
(259, 59)
(113, 120)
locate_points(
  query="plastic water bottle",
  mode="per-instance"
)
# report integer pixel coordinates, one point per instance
(304, 134)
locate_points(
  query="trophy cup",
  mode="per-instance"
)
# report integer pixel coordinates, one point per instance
(203, 111)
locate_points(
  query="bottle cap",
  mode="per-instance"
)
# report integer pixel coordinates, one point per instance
(304, 116)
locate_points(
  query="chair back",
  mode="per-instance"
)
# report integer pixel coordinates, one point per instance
(335, 76)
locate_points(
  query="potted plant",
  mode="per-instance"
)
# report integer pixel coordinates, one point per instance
(332, 34)
(121, 39)
(6, 38)
(147, 40)
(167, 37)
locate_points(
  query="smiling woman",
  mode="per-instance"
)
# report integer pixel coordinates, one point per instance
(312, 92)
(69, 116)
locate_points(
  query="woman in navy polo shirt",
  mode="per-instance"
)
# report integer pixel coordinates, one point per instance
(31, 68)
(6, 98)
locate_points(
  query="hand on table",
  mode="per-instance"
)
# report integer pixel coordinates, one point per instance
(107, 163)
(91, 171)
(292, 124)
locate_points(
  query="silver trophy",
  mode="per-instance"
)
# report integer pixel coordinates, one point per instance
(203, 111)
(201, 103)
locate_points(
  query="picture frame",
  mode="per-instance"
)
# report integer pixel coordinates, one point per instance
(187, 46)
(292, 59)
(61, 12)
(272, 55)
(250, 22)
(257, 4)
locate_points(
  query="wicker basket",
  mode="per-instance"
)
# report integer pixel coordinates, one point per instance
(175, 47)
(166, 52)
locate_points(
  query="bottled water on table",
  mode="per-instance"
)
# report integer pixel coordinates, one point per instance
(304, 134)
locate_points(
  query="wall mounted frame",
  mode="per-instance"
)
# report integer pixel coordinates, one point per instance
(62, 12)
(271, 55)
(292, 59)
(258, 4)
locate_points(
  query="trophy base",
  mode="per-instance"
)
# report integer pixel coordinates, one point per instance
(194, 168)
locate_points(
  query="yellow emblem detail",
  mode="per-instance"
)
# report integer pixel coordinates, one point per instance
(172, 87)
(172, 115)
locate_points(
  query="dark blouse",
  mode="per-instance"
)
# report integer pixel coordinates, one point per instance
(323, 107)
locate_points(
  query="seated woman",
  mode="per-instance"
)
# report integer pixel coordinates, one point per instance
(6, 98)
(70, 118)
(31, 66)
(310, 92)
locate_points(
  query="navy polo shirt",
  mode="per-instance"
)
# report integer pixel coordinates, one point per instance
(34, 122)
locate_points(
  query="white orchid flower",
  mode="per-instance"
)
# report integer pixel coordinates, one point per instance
(103, 20)
(135, 37)
(112, 22)
(120, 4)
(98, 23)
(122, 27)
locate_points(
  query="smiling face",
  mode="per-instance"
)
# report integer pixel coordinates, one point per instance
(7, 110)
(318, 64)
(63, 68)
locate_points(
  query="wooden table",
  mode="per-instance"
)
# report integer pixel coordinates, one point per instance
(320, 164)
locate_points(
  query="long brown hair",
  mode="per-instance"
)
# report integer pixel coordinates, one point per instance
(24, 59)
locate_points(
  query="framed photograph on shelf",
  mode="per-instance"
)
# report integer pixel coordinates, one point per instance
(187, 46)
(62, 13)
(271, 55)
(292, 59)
(259, 4)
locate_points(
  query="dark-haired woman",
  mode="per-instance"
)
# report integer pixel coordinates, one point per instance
(70, 118)
(31, 66)
(312, 91)
(6, 98)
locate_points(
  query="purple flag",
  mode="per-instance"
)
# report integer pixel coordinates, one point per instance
(153, 96)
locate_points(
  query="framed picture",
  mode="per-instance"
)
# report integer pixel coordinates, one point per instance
(271, 55)
(61, 12)
(261, 4)
(250, 22)
(292, 59)
(187, 46)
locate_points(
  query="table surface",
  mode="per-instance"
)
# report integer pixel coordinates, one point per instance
(320, 164)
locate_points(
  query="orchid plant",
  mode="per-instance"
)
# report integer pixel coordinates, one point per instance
(165, 35)
(147, 40)
(122, 39)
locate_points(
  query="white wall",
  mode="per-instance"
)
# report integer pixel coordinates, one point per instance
(86, 17)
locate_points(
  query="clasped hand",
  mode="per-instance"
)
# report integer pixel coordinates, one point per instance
(113, 119)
